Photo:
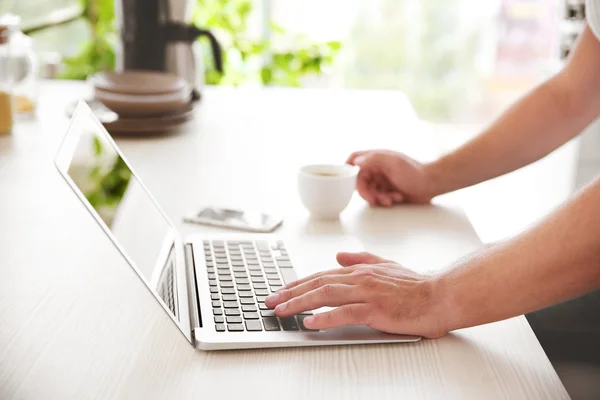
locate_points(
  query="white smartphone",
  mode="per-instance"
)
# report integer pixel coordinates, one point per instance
(235, 219)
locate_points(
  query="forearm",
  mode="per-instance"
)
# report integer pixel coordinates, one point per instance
(529, 130)
(546, 118)
(553, 261)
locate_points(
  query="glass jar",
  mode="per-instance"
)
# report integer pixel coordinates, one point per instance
(25, 73)
(8, 24)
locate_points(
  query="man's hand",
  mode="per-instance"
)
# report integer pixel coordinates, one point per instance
(387, 178)
(367, 291)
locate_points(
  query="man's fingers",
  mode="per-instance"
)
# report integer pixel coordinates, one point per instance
(316, 281)
(384, 199)
(350, 259)
(351, 314)
(397, 197)
(338, 271)
(330, 295)
(355, 155)
(362, 186)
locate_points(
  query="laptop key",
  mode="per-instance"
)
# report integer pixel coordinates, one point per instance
(289, 324)
(214, 289)
(225, 278)
(275, 288)
(212, 282)
(226, 284)
(235, 328)
(229, 297)
(249, 308)
(271, 324)
(250, 315)
(256, 273)
(216, 304)
(234, 320)
(253, 326)
(258, 279)
(242, 281)
(232, 311)
(243, 287)
(261, 299)
(220, 328)
(240, 274)
(248, 300)
(268, 265)
(262, 292)
(288, 275)
(260, 286)
(237, 263)
(217, 311)
(228, 291)
(301, 323)
(274, 282)
(239, 269)
(263, 306)
(215, 296)
(219, 319)
(230, 304)
(224, 272)
(245, 294)
(267, 313)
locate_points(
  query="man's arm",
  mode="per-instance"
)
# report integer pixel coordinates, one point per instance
(553, 261)
(557, 259)
(546, 118)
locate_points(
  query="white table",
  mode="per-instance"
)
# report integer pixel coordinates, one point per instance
(76, 323)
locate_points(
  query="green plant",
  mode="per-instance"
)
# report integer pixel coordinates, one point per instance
(98, 52)
(282, 59)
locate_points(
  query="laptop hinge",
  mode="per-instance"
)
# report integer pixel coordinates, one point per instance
(193, 298)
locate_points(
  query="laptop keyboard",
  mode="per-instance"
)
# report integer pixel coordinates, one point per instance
(241, 274)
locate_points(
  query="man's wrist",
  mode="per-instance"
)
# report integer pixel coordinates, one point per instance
(444, 307)
(436, 178)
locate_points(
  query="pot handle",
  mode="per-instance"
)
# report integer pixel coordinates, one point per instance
(189, 33)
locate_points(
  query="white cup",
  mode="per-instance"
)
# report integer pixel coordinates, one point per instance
(325, 190)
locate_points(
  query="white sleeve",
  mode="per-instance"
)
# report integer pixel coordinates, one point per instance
(592, 11)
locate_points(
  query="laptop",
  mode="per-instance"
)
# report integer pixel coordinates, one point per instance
(212, 288)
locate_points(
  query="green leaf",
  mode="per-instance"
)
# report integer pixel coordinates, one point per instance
(97, 146)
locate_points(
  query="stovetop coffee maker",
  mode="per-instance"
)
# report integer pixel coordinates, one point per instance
(154, 35)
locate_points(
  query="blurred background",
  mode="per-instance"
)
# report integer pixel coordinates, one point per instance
(459, 61)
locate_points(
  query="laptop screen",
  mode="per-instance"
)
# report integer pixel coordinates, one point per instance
(137, 224)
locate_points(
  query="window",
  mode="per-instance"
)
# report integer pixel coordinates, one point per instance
(457, 60)
(64, 39)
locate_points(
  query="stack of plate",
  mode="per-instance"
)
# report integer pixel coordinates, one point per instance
(142, 102)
